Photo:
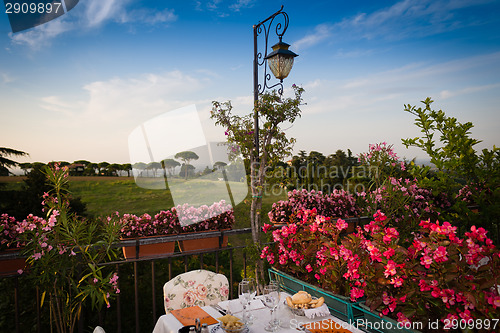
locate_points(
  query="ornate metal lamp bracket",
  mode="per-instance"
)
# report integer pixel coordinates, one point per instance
(265, 28)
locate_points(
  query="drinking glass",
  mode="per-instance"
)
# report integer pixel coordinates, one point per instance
(271, 299)
(252, 288)
(244, 297)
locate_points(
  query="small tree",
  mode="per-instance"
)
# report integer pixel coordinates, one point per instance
(170, 164)
(219, 165)
(186, 157)
(5, 163)
(103, 166)
(127, 167)
(274, 112)
(154, 166)
(458, 163)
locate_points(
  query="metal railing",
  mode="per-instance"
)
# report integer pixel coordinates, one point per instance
(118, 318)
(174, 263)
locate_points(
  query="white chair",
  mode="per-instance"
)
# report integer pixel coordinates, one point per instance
(199, 287)
(99, 329)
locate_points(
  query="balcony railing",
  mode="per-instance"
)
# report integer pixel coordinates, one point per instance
(20, 309)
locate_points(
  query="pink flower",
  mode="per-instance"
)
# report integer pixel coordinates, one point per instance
(426, 261)
(356, 293)
(397, 282)
(424, 286)
(266, 227)
(403, 320)
(389, 253)
(390, 268)
(341, 224)
(440, 254)
(390, 233)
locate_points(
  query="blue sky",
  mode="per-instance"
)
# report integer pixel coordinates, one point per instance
(76, 87)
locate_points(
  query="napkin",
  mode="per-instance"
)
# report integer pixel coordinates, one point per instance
(234, 306)
(317, 312)
(187, 316)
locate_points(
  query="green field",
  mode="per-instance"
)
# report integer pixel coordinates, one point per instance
(105, 195)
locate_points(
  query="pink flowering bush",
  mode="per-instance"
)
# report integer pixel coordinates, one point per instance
(303, 248)
(339, 203)
(182, 218)
(217, 216)
(404, 203)
(8, 232)
(163, 223)
(62, 262)
(439, 276)
(381, 162)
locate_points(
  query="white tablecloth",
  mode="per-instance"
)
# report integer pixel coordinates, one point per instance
(169, 324)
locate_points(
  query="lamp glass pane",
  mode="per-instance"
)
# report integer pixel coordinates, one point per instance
(280, 66)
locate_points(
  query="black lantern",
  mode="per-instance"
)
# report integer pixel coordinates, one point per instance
(280, 61)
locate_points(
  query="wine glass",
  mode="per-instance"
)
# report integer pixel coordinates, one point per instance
(244, 297)
(271, 299)
(252, 288)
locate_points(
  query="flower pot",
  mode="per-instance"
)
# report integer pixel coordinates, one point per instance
(201, 244)
(370, 321)
(10, 266)
(339, 306)
(148, 250)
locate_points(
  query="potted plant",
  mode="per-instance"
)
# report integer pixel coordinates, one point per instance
(338, 204)
(144, 226)
(182, 219)
(10, 246)
(217, 217)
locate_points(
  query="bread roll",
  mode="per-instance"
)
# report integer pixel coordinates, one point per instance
(301, 297)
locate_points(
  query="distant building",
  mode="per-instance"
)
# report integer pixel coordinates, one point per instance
(76, 169)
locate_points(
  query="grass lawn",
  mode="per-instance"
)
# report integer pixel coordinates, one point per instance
(105, 195)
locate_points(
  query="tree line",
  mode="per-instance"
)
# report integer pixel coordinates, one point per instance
(87, 168)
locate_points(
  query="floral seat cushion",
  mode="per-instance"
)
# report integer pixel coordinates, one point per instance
(199, 287)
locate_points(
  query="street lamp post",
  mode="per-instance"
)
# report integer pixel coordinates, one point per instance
(280, 63)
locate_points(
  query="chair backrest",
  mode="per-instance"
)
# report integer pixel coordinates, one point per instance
(199, 287)
(99, 329)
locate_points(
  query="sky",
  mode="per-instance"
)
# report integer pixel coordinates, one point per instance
(78, 86)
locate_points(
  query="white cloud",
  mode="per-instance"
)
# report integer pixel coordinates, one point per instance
(41, 36)
(415, 80)
(146, 95)
(57, 104)
(91, 14)
(320, 33)
(404, 19)
(6, 78)
(102, 118)
(97, 11)
(446, 94)
(241, 4)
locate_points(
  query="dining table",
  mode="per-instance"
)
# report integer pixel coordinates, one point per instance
(290, 322)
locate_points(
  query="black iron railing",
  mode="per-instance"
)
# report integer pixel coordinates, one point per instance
(137, 311)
